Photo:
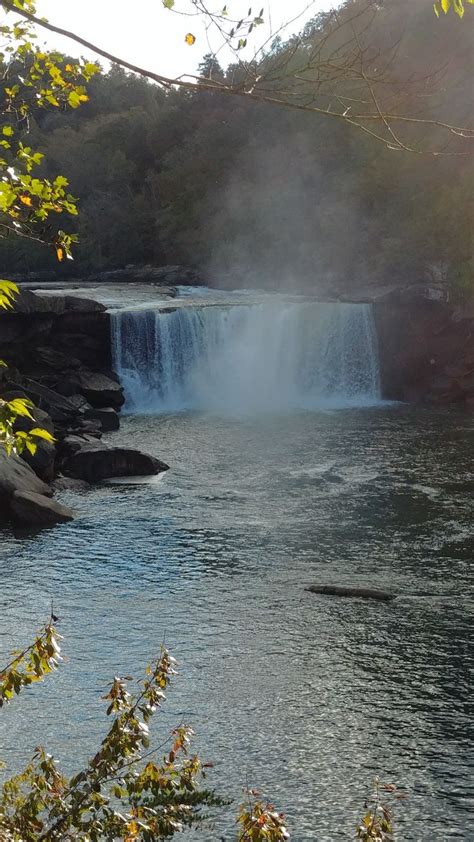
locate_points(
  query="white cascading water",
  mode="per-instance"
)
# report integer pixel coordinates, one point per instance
(264, 357)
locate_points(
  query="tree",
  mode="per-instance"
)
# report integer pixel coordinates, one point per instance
(124, 792)
(333, 69)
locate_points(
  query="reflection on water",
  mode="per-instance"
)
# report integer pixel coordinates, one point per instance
(306, 696)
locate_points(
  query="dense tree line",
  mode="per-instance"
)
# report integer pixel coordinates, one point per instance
(256, 194)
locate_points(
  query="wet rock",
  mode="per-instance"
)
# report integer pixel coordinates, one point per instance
(100, 390)
(94, 462)
(341, 590)
(106, 416)
(30, 509)
(70, 484)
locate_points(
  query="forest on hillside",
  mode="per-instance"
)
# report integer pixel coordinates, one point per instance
(266, 195)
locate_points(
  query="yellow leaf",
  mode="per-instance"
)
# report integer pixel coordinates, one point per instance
(26, 200)
(42, 434)
(60, 253)
(190, 39)
(19, 406)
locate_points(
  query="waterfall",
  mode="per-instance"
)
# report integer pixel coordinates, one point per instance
(262, 357)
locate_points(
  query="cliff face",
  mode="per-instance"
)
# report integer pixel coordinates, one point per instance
(426, 349)
(47, 334)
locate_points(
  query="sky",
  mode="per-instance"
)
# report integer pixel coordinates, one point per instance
(154, 37)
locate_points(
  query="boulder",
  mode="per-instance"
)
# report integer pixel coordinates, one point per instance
(16, 475)
(30, 509)
(106, 416)
(341, 590)
(70, 444)
(100, 390)
(80, 403)
(42, 461)
(85, 427)
(94, 462)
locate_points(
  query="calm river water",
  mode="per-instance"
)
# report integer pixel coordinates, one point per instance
(306, 697)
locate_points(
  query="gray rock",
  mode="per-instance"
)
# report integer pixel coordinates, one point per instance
(86, 427)
(83, 305)
(16, 475)
(40, 419)
(51, 358)
(80, 403)
(31, 302)
(56, 405)
(340, 590)
(94, 462)
(42, 461)
(163, 276)
(71, 444)
(30, 509)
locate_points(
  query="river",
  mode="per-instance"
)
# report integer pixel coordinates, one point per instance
(305, 697)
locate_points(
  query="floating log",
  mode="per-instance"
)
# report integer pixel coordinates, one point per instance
(341, 590)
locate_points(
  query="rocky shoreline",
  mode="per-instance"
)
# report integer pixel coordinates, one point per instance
(57, 349)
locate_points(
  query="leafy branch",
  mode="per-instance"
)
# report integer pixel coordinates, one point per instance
(30, 664)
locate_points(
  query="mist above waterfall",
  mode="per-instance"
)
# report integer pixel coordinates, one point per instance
(266, 357)
(280, 221)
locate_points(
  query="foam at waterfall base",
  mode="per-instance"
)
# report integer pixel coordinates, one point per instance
(275, 356)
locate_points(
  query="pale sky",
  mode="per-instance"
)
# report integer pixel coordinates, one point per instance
(153, 37)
